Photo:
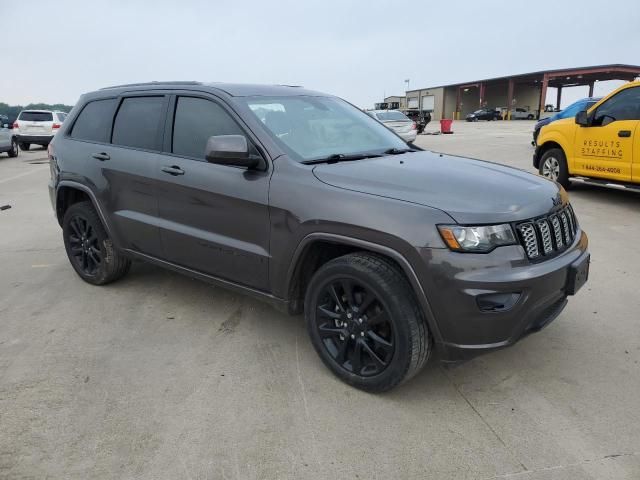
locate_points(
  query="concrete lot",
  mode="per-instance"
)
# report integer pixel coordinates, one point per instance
(160, 376)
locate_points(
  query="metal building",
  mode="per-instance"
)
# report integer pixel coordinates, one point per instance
(527, 91)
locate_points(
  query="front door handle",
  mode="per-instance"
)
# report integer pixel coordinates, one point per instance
(101, 156)
(173, 170)
(624, 133)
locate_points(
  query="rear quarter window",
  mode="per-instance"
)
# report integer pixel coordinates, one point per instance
(94, 121)
(36, 116)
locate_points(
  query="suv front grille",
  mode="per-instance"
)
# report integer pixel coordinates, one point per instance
(549, 235)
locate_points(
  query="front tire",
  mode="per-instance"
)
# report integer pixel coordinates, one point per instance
(365, 323)
(553, 165)
(89, 248)
(14, 149)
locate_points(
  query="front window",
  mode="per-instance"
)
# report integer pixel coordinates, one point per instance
(311, 128)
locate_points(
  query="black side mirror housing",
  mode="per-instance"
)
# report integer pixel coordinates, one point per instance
(582, 118)
(231, 150)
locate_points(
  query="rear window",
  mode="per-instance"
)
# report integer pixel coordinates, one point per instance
(392, 115)
(36, 116)
(94, 121)
(137, 122)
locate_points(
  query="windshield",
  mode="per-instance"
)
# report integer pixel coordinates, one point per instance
(311, 128)
(574, 108)
(477, 112)
(392, 115)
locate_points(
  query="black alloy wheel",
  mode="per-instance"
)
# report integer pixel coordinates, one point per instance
(89, 248)
(365, 322)
(84, 246)
(354, 326)
(14, 148)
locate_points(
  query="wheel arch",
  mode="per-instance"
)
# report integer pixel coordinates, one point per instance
(316, 249)
(545, 147)
(68, 193)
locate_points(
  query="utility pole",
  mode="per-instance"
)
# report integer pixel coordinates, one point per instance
(407, 82)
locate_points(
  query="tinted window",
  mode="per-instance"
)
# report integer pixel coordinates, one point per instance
(94, 121)
(137, 122)
(197, 119)
(61, 116)
(36, 116)
(622, 106)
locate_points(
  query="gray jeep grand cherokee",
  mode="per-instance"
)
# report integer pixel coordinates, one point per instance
(301, 199)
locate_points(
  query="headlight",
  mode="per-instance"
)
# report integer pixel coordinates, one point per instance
(477, 239)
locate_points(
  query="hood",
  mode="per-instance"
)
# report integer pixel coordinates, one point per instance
(543, 122)
(470, 191)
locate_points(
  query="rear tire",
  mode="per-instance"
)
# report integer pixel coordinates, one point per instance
(553, 165)
(89, 248)
(365, 323)
(14, 149)
(25, 146)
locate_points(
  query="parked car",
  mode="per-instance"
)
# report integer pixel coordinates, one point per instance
(398, 122)
(522, 114)
(569, 112)
(8, 143)
(599, 146)
(484, 114)
(303, 200)
(37, 127)
(421, 117)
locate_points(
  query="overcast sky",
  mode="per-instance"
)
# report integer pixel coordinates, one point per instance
(55, 50)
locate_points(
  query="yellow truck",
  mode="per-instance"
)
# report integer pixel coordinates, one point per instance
(600, 146)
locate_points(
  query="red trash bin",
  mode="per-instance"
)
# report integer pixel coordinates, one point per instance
(445, 125)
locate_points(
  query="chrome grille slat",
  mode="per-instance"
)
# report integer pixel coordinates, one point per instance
(557, 231)
(548, 235)
(545, 233)
(530, 239)
(565, 227)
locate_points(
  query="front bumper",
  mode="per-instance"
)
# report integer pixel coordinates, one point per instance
(458, 284)
(37, 139)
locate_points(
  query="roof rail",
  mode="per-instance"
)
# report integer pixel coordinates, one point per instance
(155, 82)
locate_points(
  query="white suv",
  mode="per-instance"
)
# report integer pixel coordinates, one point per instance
(37, 126)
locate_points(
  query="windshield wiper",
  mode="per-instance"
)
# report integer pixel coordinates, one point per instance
(398, 151)
(341, 157)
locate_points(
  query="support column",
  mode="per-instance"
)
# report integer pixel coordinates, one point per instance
(558, 98)
(457, 104)
(481, 101)
(591, 89)
(510, 98)
(543, 93)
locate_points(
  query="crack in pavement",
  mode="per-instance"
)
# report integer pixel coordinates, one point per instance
(560, 467)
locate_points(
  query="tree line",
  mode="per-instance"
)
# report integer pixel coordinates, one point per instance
(12, 111)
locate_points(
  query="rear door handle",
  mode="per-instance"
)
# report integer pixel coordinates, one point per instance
(173, 170)
(624, 133)
(101, 156)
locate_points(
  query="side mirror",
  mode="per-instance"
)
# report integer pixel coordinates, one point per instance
(582, 118)
(230, 150)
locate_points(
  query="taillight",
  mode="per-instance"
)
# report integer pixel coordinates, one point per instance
(55, 125)
(414, 126)
(15, 124)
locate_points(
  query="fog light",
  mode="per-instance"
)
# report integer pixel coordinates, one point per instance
(497, 302)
